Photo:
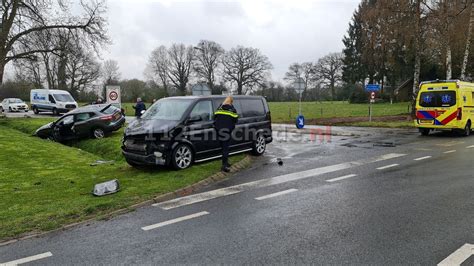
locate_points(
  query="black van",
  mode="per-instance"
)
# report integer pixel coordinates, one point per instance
(178, 131)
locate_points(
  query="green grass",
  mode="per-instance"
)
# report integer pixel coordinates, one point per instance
(287, 111)
(390, 124)
(45, 185)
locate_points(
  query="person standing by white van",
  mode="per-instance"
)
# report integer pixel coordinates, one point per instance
(55, 101)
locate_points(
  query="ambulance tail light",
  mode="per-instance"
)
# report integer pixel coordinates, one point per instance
(459, 117)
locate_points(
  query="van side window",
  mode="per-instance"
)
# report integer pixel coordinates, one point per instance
(51, 99)
(203, 109)
(238, 107)
(252, 107)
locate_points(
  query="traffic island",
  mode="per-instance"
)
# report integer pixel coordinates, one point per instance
(47, 186)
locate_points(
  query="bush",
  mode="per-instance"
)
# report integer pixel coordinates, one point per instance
(358, 95)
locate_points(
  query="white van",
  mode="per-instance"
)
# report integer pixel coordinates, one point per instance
(56, 101)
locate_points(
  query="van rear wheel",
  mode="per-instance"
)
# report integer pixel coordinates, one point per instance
(35, 110)
(424, 131)
(467, 129)
(259, 145)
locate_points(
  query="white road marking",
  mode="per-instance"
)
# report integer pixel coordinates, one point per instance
(173, 221)
(276, 194)
(387, 166)
(27, 259)
(458, 256)
(451, 151)
(423, 149)
(422, 158)
(341, 178)
(191, 199)
(450, 143)
(470, 147)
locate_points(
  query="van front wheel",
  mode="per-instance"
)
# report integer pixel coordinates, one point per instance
(182, 157)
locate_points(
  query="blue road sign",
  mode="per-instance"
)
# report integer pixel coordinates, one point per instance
(372, 87)
(300, 122)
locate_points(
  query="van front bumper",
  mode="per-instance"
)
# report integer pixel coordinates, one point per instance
(150, 159)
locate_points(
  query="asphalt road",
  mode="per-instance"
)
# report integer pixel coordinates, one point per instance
(386, 197)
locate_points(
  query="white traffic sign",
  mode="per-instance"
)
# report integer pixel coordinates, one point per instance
(112, 93)
(201, 89)
(299, 85)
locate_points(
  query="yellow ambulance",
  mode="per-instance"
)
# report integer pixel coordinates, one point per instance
(445, 105)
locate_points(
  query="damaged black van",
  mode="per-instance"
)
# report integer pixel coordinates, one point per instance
(179, 131)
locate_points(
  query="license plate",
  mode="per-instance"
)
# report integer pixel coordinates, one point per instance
(426, 121)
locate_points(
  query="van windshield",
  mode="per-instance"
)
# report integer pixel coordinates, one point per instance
(167, 109)
(63, 98)
(438, 99)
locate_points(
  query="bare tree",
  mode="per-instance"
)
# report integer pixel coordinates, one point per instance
(110, 72)
(329, 71)
(22, 19)
(158, 65)
(247, 67)
(304, 71)
(82, 70)
(180, 63)
(207, 59)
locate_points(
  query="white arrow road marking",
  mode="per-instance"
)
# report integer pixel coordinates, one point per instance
(422, 158)
(276, 194)
(191, 199)
(27, 259)
(458, 256)
(470, 147)
(387, 166)
(173, 221)
(341, 178)
(451, 151)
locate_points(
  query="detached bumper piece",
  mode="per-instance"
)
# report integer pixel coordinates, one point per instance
(106, 188)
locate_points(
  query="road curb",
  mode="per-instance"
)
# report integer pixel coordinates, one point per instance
(242, 164)
(322, 131)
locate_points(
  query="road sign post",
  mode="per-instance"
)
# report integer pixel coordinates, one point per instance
(299, 87)
(372, 88)
(371, 101)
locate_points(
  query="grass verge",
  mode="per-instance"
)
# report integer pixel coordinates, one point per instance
(389, 124)
(45, 185)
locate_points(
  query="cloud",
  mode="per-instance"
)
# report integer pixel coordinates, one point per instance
(285, 31)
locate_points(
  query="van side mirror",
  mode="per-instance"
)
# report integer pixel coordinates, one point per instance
(193, 119)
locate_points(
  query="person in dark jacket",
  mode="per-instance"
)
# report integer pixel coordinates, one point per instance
(225, 119)
(139, 107)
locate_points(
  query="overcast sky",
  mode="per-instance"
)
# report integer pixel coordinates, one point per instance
(285, 31)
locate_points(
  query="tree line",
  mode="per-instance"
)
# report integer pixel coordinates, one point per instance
(388, 42)
(393, 42)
